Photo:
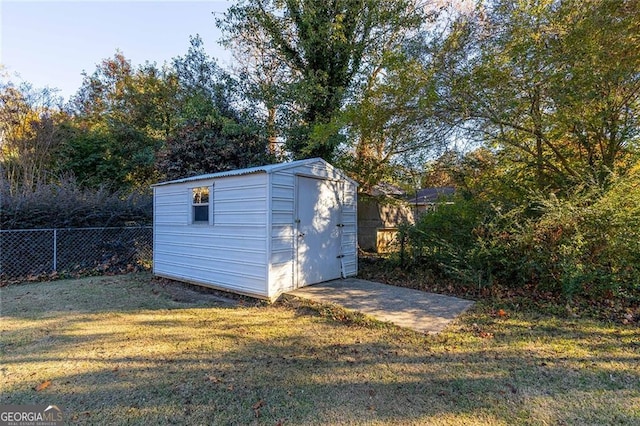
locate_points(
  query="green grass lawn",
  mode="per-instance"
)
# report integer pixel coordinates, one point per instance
(131, 350)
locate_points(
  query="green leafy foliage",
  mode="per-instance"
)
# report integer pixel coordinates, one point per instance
(112, 154)
(209, 147)
(461, 239)
(388, 121)
(214, 132)
(590, 242)
(554, 84)
(324, 49)
(583, 245)
(122, 115)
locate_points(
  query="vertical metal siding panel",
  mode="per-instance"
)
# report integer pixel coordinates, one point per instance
(281, 234)
(350, 229)
(154, 233)
(269, 284)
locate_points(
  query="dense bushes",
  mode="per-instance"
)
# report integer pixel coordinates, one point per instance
(66, 204)
(441, 239)
(590, 248)
(586, 244)
(202, 147)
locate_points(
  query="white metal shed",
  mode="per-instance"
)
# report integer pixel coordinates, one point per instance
(259, 231)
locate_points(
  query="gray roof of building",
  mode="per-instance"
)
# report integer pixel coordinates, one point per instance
(431, 195)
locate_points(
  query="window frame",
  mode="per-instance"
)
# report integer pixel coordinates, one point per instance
(193, 205)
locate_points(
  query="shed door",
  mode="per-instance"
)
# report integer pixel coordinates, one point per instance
(318, 248)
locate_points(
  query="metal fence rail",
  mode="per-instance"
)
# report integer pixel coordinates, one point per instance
(29, 253)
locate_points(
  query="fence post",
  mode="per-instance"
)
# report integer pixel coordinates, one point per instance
(55, 250)
(402, 244)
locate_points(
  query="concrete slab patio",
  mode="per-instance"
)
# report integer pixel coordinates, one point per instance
(420, 311)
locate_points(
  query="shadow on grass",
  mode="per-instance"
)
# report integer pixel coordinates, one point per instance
(308, 383)
(141, 357)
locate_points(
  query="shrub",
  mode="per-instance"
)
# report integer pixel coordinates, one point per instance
(66, 205)
(445, 239)
(586, 244)
(590, 241)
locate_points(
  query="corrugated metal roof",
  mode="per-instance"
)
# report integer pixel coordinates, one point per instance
(269, 168)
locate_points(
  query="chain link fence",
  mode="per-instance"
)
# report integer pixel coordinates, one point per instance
(27, 254)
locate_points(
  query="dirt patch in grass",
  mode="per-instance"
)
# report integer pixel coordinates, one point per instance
(130, 350)
(189, 293)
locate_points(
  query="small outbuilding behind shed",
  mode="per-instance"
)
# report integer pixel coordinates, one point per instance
(259, 231)
(381, 210)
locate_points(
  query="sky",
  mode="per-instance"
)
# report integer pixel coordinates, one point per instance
(50, 43)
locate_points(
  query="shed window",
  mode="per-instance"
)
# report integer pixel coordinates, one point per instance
(201, 205)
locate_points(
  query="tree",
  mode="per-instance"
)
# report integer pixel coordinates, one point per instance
(215, 133)
(598, 88)
(30, 135)
(207, 147)
(129, 120)
(556, 84)
(326, 48)
(261, 74)
(387, 125)
(122, 117)
(205, 91)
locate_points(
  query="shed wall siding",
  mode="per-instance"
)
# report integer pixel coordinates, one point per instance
(231, 253)
(281, 264)
(250, 247)
(350, 229)
(283, 226)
